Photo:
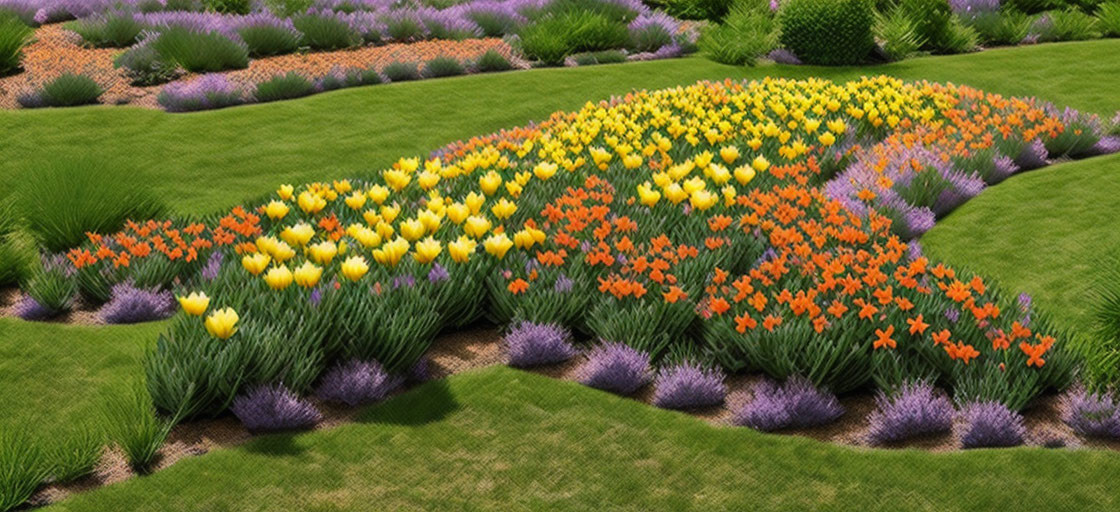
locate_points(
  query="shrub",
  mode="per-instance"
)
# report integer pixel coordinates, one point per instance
(711, 10)
(491, 62)
(13, 36)
(1102, 360)
(688, 386)
(1067, 25)
(228, 6)
(793, 404)
(991, 424)
(67, 90)
(144, 66)
(76, 455)
(404, 26)
(132, 423)
(356, 383)
(401, 71)
(442, 66)
(326, 32)
(913, 410)
(931, 20)
(200, 52)
(959, 38)
(615, 367)
(284, 87)
(747, 33)
(829, 32)
(22, 468)
(50, 291)
(1108, 18)
(1092, 414)
(64, 199)
(561, 34)
(266, 408)
(13, 257)
(129, 305)
(265, 35)
(112, 29)
(648, 32)
(531, 344)
(898, 33)
(205, 93)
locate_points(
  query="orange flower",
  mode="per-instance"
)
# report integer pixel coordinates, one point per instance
(1034, 353)
(883, 338)
(518, 286)
(771, 321)
(674, 294)
(942, 338)
(744, 322)
(917, 326)
(719, 306)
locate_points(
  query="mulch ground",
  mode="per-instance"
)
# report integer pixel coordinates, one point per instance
(56, 51)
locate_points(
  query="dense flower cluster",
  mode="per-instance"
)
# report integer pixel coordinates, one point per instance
(762, 225)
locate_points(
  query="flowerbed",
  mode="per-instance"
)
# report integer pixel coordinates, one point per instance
(717, 225)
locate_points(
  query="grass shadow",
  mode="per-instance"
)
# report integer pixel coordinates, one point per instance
(426, 403)
(276, 445)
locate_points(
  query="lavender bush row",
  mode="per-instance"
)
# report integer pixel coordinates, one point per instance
(208, 92)
(688, 386)
(914, 410)
(1092, 414)
(796, 403)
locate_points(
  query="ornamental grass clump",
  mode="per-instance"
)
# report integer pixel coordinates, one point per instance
(284, 87)
(530, 344)
(491, 62)
(270, 408)
(199, 51)
(401, 71)
(50, 290)
(1092, 414)
(129, 304)
(22, 468)
(688, 386)
(112, 29)
(914, 410)
(441, 67)
(144, 66)
(133, 424)
(66, 90)
(615, 367)
(208, 92)
(267, 35)
(990, 425)
(796, 403)
(13, 36)
(357, 383)
(326, 31)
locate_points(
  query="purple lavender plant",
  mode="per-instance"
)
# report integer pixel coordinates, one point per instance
(532, 344)
(615, 367)
(29, 309)
(438, 274)
(914, 410)
(687, 386)
(129, 305)
(213, 266)
(784, 56)
(991, 424)
(208, 92)
(1092, 414)
(266, 408)
(794, 404)
(1032, 156)
(357, 382)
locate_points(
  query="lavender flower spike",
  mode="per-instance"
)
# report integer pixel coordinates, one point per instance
(129, 305)
(357, 383)
(531, 344)
(1092, 414)
(615, 367)
(915, 410)
(688, 386)
(793, 404)
(266, 408)
(991, 424)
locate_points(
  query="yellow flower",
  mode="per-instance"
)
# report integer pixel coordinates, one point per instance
(744, 174)
(367, 237)
(647, 195)
(675, 193)
(503, 209)
(276, 210)
(412, 230)
(323, 252)
(427, 180)
(476, 226)
(194, 304)
(255, 263)
(703, 159)
(490, 182)
(409, 165)
(827, 139)
(285, 192)
(354, 268)
(427, 250)
(278, 278)
(299, 234)
(356, 200)
(718, 173)
(475, 201)
(384, 230)
(379, 193)
(458, 212)
(545, 170)
(702, 199)
(282, 252)
(266, 244)
(760, 163)
(343, 186)
(498, 245)
(391, 253)
(461, 249)
(729, 154)
(307, 275)
(429, 219)
(632, 161)
(311, 203)
(222, 323)
(398, 180)
(389, 212)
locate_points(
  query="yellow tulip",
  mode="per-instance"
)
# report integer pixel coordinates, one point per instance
(255, 263)
(461, 249)
(323, 252)
(503, 209)
(827, 139)
(276, 210)
(390, 253)
(490, 182)
(299, 234)
(378, 193)
(409, 165)
(343, 186)
(647, 195)
(760, 163)
(475, 201)
(632, 161)
(412, 229)
(222, 323)
(307, 275)
(398, 180)
(371, 217)
(278, 278)
(476, 226)
(702, 199)
(458, 212)
(194, 304)
(311, 203)
(427, 250)
(389, 212)
(282, 252)
(718, 173)
(545, 170)
(744, 174)
(429, 219)
(675, 193)
(266, 244)
(729, 154)
(356, 200)
(354, 268)
(694, 184)
(498, 245)
(427, 180)
(385, 230)
(703, 159)
(367, 237)
(285, 192)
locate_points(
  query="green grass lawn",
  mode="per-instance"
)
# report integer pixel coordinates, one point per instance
(501, 439)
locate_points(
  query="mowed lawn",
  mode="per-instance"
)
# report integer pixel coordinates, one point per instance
(502, 439)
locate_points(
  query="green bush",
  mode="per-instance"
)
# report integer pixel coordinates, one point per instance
(264, 40)
(51, 287)
(747, 33)
(22, 468)
(442, 66)
(561, 34)
(229, 6)
(1068, 25)
(1108, 18)
(1102, 360)
(931, 21)
(1006, 27)
(401, 71)
(64, 199)
(959, 38)
(114, 29)
(1034, 6)
(322, 32)
(492, 61)
(13, 36)
(284, 87)
(201, 52)
(899, 35)
(76, 455)
(66, 90)
(829, 32)
(144, 66)
(132, 423)
(711, 10)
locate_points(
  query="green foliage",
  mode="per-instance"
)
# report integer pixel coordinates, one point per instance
(401, 71)
(22, 468)
(394, 328)
(491, 62)
(648, 327)
(132, 423)
(828, 32)
(13, 257)
(1034, 6)
(711, 10)
(321, 32)
(443, 66)
(931, 20)
(1006, 27)
(748, 32)
(63, 200)
(1068, 25)
(264, 40)
(114, 29)
(1108, 18)
(560, 34)
(284, 87)
(229, 6)
(899, 35)
(51, 287)
(144, 66)
(603, 57)
(69, 90)
(200, 52)
(959, 38)
(287, 8)
(76, 455)
(13, 36)
(1102, 363)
